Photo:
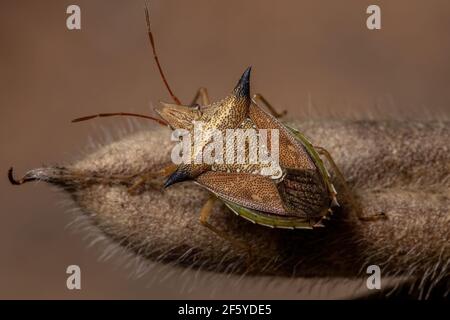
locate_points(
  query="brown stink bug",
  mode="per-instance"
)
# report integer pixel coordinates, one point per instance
(299, 198)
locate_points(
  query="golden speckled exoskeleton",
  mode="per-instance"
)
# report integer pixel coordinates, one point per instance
(300, 198)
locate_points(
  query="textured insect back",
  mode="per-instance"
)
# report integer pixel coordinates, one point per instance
(228, 113)
(305, 188)
(300, 198)
(320, 166)
(303, 193)
(313, 185)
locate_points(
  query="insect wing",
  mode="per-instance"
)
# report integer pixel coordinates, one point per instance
(253, 197)
(248, 190)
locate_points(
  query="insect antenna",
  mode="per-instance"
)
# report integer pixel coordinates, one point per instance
(161, 72)
(155, 56)
(99, 115)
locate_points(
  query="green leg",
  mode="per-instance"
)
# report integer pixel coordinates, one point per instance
(354, 203)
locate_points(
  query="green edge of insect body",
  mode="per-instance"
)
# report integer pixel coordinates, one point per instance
(286, 222)
(269, 220)
(316, 158)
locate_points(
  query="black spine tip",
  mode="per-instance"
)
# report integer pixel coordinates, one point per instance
(177, 176)
(242, 89)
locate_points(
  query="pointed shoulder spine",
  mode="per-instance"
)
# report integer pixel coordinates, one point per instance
(242, 89)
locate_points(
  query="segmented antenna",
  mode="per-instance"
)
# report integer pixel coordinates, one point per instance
(155, 56)
(160, 121)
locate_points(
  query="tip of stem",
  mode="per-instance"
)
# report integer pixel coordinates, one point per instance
(49, 174)
(11, 178)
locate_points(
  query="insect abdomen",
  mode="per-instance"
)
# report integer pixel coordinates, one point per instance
(303, 193)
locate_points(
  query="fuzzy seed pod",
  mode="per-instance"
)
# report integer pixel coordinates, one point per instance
(399, 169)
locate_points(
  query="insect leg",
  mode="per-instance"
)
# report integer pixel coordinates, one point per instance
(201, 94)
(354, 203)
(204, 215)
(148, 177)
(273, 111)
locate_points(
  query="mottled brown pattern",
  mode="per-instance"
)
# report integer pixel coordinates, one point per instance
(302, 187)
(228, 113)
(292, 153)
(304, 193)
(248, 190)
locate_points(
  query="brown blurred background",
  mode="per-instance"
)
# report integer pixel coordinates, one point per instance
(309, 57)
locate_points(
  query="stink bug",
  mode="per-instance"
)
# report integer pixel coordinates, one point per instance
(301, 198)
